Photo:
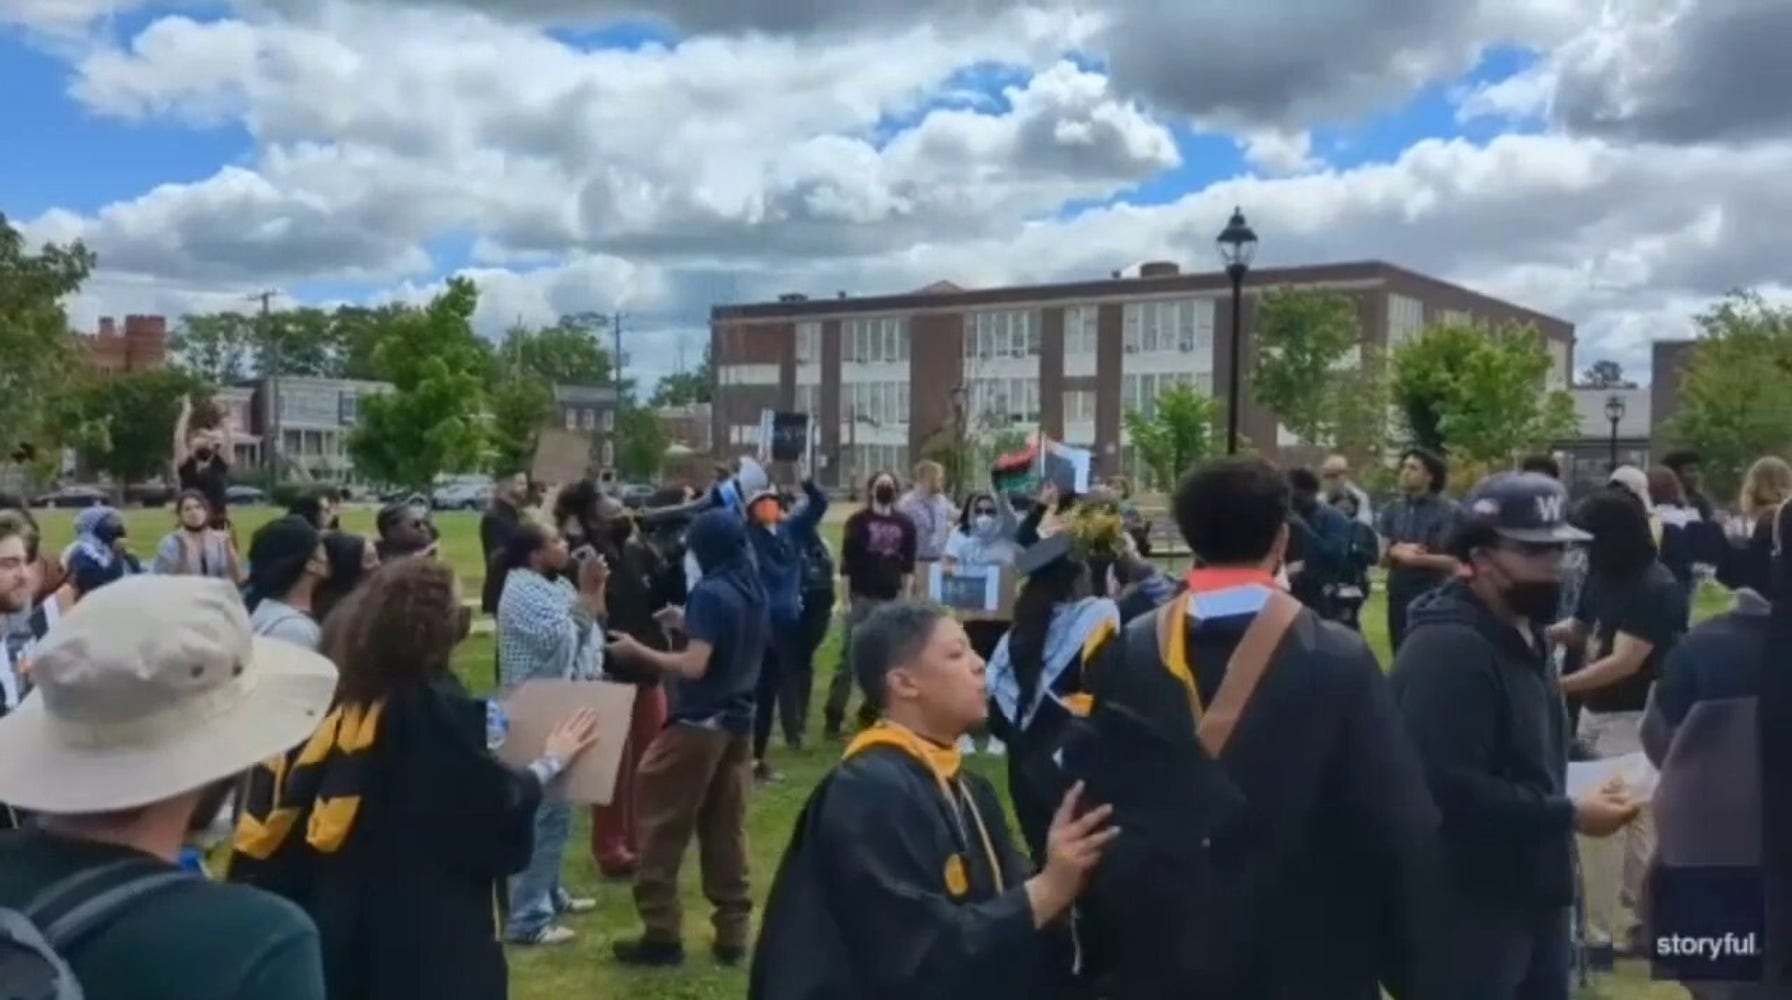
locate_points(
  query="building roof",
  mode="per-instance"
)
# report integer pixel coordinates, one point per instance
(1589, 405)
(936, 297)
(587, 395)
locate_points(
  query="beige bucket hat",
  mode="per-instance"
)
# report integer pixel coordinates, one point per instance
(150, 687)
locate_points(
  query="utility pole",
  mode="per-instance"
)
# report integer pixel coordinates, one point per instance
(616, 337)
(271, 345)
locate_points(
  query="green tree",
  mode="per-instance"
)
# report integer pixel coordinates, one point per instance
(434, 419)
(1360, 410)
(38, 358)
(521, 403)
(131, 421)
(217, 348)
(1177, 435)
(357, 332)
(1303, 336)
(1480, 394)
(686, 388)
(571, 352)
(1736, 391)
(640, 443)
(1605, 374)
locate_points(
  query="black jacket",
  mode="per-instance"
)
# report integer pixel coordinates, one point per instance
(1486, 713)
(496, 529)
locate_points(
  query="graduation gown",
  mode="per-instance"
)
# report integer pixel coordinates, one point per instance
(901, 876)
(1290, 858)
(1033, 728)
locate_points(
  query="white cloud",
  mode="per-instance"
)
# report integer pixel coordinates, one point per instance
(1278, 152)
(849, 148)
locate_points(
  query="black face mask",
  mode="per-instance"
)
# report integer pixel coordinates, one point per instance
(1538, 600)
(202, 454)
(463, 624)
(622, 529)
(884, 494)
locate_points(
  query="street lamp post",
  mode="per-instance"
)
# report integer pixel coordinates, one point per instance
(1237, 245)
(1614, 412)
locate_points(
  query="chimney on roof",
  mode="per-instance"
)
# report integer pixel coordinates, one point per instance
(1159, 269)
(108, 327)
(793, 297)
(842, 293)
(1115, 274)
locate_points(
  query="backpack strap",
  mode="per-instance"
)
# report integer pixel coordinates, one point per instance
(1250, 660)
(71, 909)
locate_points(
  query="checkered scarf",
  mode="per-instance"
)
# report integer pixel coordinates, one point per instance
(544, 632)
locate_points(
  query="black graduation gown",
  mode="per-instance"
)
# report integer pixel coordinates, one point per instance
(408, 906)
(1316, 837)
(868, 902)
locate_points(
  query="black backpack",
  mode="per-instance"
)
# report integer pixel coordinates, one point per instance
(36, 939)
(818, 566)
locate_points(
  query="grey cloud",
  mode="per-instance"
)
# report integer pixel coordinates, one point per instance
(1719, 72)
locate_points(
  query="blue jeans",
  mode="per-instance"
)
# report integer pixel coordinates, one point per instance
(535, 895)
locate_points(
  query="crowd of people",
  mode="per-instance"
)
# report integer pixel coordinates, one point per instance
(1218, 791)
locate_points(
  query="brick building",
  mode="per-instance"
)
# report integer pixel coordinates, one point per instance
(142, 346)
(883, 374)
(1668, 360)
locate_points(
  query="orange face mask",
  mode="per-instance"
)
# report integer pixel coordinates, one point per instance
(767, 512)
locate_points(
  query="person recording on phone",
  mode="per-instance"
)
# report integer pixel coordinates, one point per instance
(202, 461)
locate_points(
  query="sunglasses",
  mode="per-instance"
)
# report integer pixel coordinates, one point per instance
(978, 511)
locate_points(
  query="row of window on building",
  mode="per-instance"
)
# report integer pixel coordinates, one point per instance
(995, 402)
(1163, 325)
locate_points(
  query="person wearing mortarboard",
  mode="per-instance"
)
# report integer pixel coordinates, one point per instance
(1062, 619)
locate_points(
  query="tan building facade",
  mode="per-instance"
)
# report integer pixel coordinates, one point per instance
(883, 375)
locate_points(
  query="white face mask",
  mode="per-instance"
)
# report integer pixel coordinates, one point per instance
(983, 524)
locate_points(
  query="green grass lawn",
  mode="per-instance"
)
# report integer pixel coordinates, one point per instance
(584, 968)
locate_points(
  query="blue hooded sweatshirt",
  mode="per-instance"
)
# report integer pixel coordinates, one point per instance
(779, 553)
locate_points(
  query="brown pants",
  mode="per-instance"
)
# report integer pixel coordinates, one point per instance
(694, 780)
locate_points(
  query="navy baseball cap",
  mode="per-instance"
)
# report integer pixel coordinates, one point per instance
(1524, 507)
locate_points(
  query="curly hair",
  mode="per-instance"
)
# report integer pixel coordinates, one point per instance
(398, 628)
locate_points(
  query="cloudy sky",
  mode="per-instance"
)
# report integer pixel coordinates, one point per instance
(1615, 162)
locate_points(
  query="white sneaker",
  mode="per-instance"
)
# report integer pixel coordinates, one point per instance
(577, 904)
(995, 748)
(967, 746)
(551, 934)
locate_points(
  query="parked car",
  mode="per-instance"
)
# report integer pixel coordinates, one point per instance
(245, 496)
(461, 496)
(73, 496)
(154, 494)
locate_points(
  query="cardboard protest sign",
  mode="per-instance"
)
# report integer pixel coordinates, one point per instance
(974, 593)
(536, 707)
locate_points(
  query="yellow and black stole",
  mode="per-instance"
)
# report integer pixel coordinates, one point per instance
(321, 781)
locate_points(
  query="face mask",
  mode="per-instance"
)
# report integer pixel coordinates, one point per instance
(767, 514)
(1536, 600)
(203, 454)
(884, 493)
(621, 529)
(463, 624)
(983, 524)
